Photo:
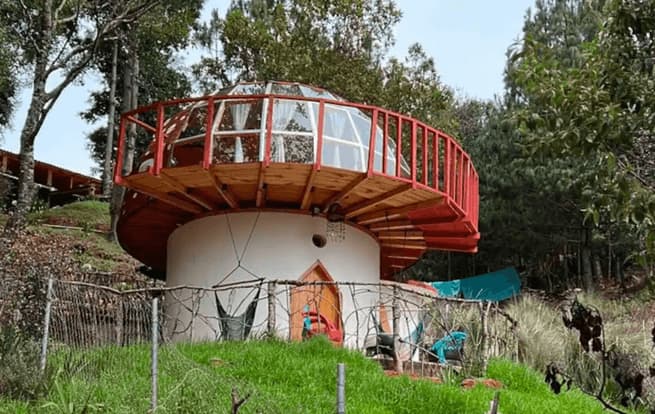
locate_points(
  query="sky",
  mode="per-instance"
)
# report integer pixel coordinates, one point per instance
(467, 38)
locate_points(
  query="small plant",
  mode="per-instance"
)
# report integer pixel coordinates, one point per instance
(20, 377)
(67, 402)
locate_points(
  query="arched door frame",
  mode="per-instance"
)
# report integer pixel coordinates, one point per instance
(319, 268)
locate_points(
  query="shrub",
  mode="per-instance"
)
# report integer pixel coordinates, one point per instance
(20, 377)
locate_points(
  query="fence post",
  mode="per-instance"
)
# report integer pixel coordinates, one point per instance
(46, 325)
(271, 309)
(484, 312)
(341, 388)
(395, 311)
(119, 322)
(155, 348)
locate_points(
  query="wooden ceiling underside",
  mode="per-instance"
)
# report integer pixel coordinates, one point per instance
(406, 220)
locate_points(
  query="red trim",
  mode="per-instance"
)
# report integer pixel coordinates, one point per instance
(413, 151)
(435, 161)
(209, 134)
(159, 141)
(142, 124)
(371, 142)
(460, 184)
(425, 156)
(385, 142)
(399, 143)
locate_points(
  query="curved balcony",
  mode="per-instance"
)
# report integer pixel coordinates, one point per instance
(286, 146)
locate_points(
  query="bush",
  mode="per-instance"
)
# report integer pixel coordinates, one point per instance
(20, 377)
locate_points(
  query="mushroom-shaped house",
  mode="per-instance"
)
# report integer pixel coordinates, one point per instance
(284, 181)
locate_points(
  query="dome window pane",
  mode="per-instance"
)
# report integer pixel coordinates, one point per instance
(286, 89)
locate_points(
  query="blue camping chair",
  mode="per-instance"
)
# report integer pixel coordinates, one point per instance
(450, 347)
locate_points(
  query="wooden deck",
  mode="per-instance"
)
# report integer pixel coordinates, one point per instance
(406, 218)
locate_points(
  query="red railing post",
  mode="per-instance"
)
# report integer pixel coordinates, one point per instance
(209, 135)
(453, 170)
(399, 145)
(435, 162)
(460, 180)
(385, 141)
(269, 132)
(413, 153)
(446, 166)
(319, 135)
(425, 155)
(159, 140)
(118, 169)
(371, 142)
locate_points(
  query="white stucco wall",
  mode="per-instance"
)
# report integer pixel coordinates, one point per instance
(223, 249)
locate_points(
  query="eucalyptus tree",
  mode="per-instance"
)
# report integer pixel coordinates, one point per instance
(55, 42)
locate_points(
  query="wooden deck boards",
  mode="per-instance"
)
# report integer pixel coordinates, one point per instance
(381, 204)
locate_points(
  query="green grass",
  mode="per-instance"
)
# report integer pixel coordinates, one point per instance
(281, 378)
(88, 214)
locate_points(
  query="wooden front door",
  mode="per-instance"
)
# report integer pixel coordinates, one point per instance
(321, 299)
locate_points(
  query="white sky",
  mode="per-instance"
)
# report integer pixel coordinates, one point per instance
(467, 38)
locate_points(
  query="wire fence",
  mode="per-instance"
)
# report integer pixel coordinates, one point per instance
(95, 333)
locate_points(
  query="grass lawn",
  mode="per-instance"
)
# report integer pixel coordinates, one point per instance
(281, 378)
(86, 214)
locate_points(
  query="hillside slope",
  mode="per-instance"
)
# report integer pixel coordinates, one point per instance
(68, 242)
(281, 378)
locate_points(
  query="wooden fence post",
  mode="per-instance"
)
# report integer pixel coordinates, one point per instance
(396, 330)
(271, 309)
(484, 339)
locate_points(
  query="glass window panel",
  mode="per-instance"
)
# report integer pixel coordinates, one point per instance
(292, 148)
(337, 124)
(236, 148)
(363, 126)
(311, 92)
(342, 155)
(300, 120)
(239, 116)
(286, 89)
(249, 89)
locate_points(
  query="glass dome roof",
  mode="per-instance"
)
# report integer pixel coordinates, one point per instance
(240, 125)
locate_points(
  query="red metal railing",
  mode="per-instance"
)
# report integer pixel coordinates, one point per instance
(446, 169)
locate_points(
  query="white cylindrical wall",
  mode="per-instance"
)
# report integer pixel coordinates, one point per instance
(238, 247)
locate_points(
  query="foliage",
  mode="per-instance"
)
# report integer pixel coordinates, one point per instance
(20, 377)
(290, 378)
(160, 35)
(596, 106)
(328, 44)
(8, 81)
(53, 45)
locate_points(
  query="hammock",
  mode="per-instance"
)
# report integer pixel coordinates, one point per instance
(237, 328)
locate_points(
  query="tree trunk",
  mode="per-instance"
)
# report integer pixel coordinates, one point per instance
(619, 271)
(109, 143)
(130, 101)
(586, 262)
(25, 191)
(598, 268)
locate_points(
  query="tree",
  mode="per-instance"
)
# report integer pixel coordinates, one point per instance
(161, 75)
(327, 44)
(8, 80)
(150, 74)
(55, 42)
(592, 106)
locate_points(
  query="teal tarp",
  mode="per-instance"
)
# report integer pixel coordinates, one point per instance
(448, 289)
(495, 286)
